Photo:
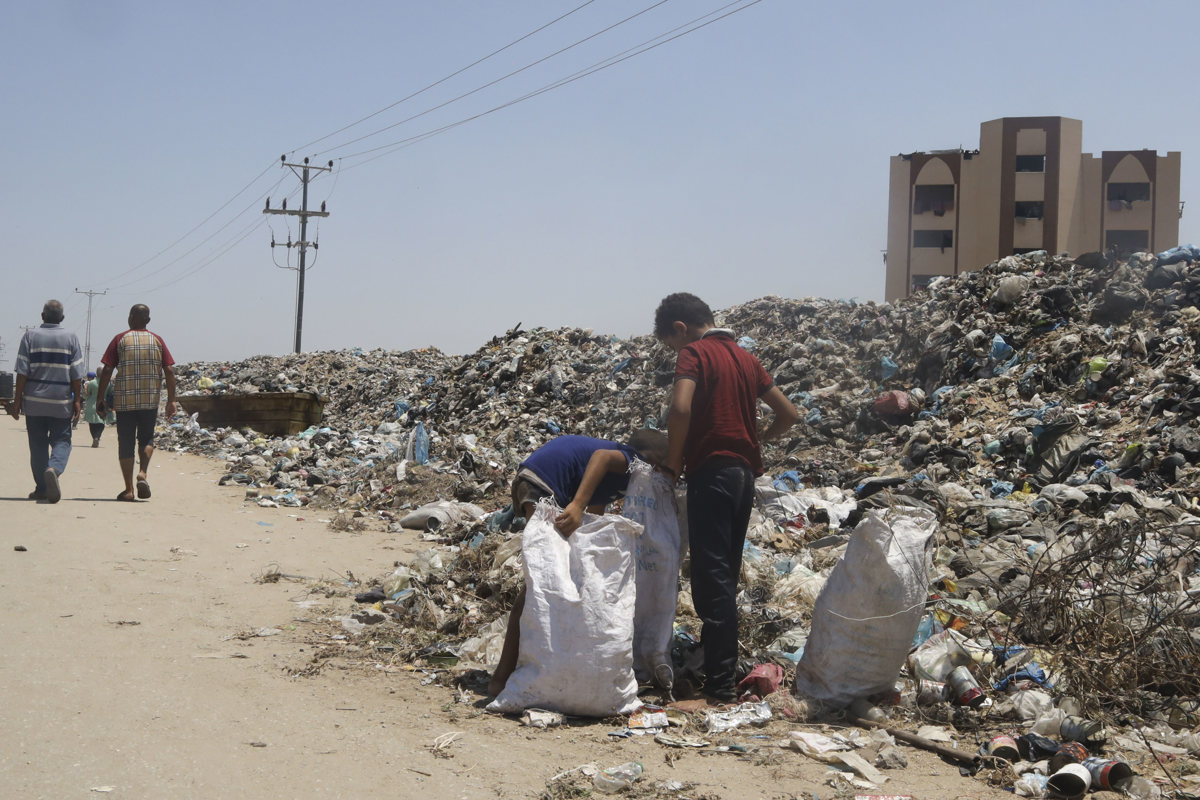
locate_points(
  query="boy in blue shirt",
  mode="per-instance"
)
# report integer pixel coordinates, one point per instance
(581, 474)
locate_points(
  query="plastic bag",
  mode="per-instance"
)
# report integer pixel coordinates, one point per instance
(866, 617)
(650, 502)
(576, 652)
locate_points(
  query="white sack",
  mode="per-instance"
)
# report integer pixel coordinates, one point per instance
(576, 651)
(866, 617)
(650, 501)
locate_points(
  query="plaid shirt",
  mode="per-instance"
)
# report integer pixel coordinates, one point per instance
(139, 357)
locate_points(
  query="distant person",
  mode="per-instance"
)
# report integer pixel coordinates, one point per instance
(579, 474)
(48, 389)
(714, 439)
(141, 360)
(91, 393)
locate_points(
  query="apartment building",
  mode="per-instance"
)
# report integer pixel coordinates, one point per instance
(1028, 187)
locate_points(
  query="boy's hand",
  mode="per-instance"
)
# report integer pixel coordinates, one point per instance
(569, 520)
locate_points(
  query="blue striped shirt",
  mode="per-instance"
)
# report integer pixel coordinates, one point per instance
(50, 358)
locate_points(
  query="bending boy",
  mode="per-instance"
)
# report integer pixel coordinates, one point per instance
(581, 474)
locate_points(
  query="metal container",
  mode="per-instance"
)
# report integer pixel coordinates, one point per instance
(270, 413)
(1079, 729)
(1003, 747)
(964, 688)
(930, 692)
(1115, 776)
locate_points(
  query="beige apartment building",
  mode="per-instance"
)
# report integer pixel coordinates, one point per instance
(1028, 187)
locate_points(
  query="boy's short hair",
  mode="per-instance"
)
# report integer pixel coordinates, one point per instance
(683, 307)
(651, 445)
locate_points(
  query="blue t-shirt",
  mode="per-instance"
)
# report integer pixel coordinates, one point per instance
(562, 461)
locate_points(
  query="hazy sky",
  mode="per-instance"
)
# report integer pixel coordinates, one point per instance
(473, 189)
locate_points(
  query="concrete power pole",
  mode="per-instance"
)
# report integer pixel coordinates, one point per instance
(87, 347)
(303, 213)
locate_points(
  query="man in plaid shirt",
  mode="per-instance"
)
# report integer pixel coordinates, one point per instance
(141, 360)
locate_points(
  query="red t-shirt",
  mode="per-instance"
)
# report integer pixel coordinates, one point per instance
(729, 382)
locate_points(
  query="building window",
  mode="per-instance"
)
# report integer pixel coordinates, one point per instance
(921, 282)
(933, 197)
(1030, 209)
(1031, 163)
(1124, 242)
(940, 239)
(1124, 195)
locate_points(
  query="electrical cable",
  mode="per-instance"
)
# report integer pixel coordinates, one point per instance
(205, 240)
(497, 80)
(644, 47)
(448, 77)
(197, 226)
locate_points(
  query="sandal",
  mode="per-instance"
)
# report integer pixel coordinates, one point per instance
(127, 497)
(143, 488)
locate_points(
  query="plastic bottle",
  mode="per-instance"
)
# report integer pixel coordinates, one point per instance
(614, 779)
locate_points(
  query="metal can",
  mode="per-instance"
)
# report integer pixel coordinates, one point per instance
(1068, 753)
(1003, 747)
(1079, 729)
(1115, 776)
(964, 688)
(930, 692)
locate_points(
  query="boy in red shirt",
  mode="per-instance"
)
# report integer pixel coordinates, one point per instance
(714, 439)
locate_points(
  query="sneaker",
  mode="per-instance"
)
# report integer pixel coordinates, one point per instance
(96, 442)
(53, 492)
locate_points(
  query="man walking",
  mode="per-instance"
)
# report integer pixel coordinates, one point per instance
(48, 389)
(141, 360)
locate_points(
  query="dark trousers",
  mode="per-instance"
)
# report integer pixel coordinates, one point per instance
(97, 429)
(720, 497)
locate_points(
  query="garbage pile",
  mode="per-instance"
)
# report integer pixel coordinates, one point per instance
(1044, 408)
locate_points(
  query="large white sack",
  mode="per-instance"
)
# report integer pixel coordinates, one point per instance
(866, 617)
(576, 651)
(650, 501)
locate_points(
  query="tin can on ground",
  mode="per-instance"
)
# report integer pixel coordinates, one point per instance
(1115, 776)
(930, 692)
(964, 688)
(1079, 729)
(1071, 782)
(1068, 753)
(1003, 747)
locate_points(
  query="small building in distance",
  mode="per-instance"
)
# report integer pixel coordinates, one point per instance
(1028, 187)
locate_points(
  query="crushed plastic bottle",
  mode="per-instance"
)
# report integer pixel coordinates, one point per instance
(614, 779)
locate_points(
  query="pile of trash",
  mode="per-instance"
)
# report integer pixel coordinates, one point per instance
(1043, 408)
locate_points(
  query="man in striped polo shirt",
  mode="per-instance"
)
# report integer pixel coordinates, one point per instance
(141, 360)
(49, 390)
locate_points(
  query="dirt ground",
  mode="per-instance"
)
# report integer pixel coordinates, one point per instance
(144, 657)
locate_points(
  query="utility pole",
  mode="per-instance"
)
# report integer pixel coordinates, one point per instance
(87, 347)
(303, 213)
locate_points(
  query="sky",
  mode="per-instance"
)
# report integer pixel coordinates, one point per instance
(557, 163)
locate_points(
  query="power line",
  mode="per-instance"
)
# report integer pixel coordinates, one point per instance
(500, 79)
(448, 77)
(198, 225)
(644, 47)
(388, 148)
